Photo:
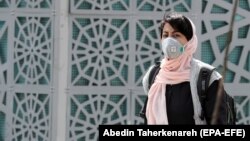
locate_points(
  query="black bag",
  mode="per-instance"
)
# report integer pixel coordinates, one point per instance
(202, 85)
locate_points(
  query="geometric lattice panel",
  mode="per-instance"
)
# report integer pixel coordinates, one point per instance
(215, 21)
(26, 42)
(32, 50)
(215, 29)
(3, 41)
(148, 48)
(33, 4)
(31, 117)
(4, 3)
(243, 109)
(3, 99)
(89, 111)
(163, 5)
(99, 52)
(3, 111)
(3, 76)
(137, 101)
(78, 6)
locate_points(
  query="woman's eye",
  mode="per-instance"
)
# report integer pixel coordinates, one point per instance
(176, 36)
(164, 35)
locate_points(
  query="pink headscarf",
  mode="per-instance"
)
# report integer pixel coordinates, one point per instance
(172, 72)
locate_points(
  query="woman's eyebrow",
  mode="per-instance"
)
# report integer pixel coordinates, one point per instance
(175, 31)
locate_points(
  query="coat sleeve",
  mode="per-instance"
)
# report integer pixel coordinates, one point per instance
(145, 80)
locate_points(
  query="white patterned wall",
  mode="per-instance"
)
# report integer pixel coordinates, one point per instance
(26, 50)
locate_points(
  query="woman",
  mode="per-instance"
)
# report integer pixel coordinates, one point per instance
(172, 98)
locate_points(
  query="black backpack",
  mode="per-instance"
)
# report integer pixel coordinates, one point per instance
(202, 85)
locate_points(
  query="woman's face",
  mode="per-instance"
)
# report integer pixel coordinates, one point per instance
(168, 31)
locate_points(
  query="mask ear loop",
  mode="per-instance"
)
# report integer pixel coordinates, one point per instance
(182, 49)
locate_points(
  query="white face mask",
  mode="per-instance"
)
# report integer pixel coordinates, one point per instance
(172, 48)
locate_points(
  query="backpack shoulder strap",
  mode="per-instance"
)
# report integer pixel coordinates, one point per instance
(202, 86)
(154, 71)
